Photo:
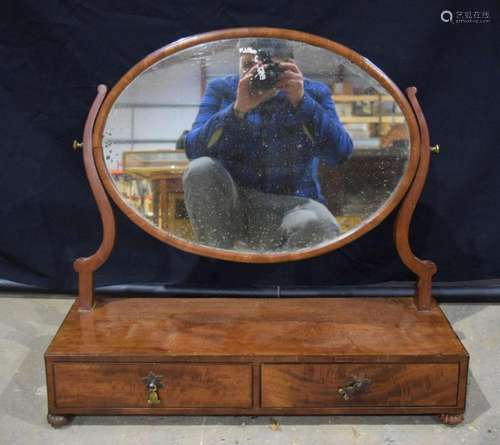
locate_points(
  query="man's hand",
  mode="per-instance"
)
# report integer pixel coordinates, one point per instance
(246, 98)
(291, 82)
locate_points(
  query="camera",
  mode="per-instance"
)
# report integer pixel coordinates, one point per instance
(267, 74)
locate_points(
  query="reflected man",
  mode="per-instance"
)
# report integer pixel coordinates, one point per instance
(254, 149)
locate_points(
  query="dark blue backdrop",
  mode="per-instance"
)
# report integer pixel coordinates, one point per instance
(54, 53)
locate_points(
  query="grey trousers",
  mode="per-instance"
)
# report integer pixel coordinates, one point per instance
(226, 216)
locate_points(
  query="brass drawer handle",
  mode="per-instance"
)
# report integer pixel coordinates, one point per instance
(153, 384)
(353, 387)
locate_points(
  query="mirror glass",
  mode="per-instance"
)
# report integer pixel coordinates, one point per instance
(256, 145)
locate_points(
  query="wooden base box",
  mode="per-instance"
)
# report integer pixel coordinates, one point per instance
(229, 356)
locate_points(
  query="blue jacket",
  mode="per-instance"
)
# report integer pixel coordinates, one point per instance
(275, 148)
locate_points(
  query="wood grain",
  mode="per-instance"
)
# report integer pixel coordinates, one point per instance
(317, 385)
(235, 329)
(119, 385)
(254, 357)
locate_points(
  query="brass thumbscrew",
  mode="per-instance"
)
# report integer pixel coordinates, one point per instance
(435, 149)
(77, 145)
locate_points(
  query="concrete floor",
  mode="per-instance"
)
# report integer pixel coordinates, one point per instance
(27, 324)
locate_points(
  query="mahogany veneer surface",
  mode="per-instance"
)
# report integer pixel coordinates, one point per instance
(119, 385)
(256, 356)
(385, 328)
(316, 385)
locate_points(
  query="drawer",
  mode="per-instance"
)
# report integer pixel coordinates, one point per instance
(333, 385)
(121, 385)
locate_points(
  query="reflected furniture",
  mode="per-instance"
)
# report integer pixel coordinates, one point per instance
(163, 169)
(257, 356)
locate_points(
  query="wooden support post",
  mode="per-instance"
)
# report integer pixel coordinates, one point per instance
(86, 266)
(424, 269)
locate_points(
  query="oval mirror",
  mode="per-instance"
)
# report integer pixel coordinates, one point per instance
(256, 145)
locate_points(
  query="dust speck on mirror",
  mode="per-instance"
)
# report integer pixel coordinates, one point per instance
(256, 145)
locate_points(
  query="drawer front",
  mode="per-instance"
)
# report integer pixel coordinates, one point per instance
(121, 385)
(325, 385)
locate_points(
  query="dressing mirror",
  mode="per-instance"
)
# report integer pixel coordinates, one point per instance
(256, 145)
(212, 158)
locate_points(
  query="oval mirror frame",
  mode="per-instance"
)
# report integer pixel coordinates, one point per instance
(251, 257)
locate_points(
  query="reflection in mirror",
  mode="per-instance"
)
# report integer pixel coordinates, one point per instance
(256, 145)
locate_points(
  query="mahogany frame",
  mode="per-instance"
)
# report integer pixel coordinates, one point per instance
(408, 189)
(250, 257)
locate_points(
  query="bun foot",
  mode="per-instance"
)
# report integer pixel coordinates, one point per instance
(451, 419)
(57, 421)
